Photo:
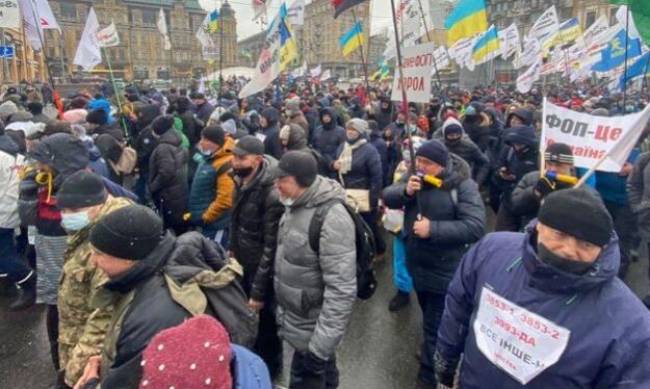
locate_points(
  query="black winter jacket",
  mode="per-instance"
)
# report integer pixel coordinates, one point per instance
(328, 137)
(168, 177)
(253, 230)
(455, 225)
(365, 173)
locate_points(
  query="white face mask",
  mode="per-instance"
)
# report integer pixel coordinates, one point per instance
(286, 201)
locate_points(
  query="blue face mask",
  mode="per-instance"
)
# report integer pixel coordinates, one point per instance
(75, 221)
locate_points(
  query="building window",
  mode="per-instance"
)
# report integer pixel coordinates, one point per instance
(612, 16)
(149, 17)
(591, 18)
(68, 11)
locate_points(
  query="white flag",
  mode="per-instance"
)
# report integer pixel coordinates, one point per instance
(442, 59)
(526, 80)
(9, 14)
(89, 53)
(162, 27)
(327, 74)
(33, 30)
(202, 34)
(296, 13)
(299, 72)
(108, 37)
(532, 51)
(546, 26)
(626, 20)
(316, 72)
(44, 13)
(509, 41)
(461, 52)
(596, 29)
(259, 8)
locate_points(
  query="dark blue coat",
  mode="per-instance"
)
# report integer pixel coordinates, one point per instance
(609, 343)
(432, 262)
(328, 138)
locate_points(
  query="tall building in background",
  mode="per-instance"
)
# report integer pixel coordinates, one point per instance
(140, 54)
(321, 37)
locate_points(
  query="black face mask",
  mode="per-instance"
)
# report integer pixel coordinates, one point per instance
(452, 142)
(567, 265)
(244, 172)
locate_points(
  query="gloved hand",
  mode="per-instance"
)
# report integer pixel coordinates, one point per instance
(445, 371)
(544, 187)
(28, 189)
(313, 363)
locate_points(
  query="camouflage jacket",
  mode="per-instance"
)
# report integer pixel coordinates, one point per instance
(82, 328)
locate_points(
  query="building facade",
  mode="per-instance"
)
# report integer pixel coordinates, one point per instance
(141, 53)
(26, 63)
(322, 33)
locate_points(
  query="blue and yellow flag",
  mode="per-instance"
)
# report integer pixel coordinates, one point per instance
(466, 20)
(382, 72)
(352, 39)
(288, 46)
(569, 31)
(213, 21)
(486, 47)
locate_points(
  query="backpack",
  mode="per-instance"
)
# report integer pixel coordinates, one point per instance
(364, 242)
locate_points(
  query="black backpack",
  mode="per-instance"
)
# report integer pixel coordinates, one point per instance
(364, 241)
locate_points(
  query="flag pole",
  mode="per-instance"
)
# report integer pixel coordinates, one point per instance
(401, 84)
(435, 62)
(627, 44)
(117, 94)
(363, 60)
(40, 32)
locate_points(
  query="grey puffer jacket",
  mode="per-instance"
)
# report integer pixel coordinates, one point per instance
(315, 292)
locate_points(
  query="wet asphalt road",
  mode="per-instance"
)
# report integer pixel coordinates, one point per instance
(378, 350)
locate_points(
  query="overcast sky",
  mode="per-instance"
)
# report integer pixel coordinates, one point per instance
(380, 14)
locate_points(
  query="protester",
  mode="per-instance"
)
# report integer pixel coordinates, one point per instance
(203, 108)
(83, 200)
(253, 239)
(440, 223)
(167, 179)
(327, 138)
(457, 143)
(360, 172)
(210, 199)
(269, 122)
(315, 291)
(561, 271)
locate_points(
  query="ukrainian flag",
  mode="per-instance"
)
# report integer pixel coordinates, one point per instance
(486, 47)
(213, 21)
(569, 32)
(352, 39)
(466, 20)
(382, 72)
(288, 46)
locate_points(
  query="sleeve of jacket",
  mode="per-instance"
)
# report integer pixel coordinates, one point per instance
(469, 225)
(337, 260)
(376, 176)
(92, 339)
(273, 212)
(395, 195)
(223, 202)
(165, 168)
(454, 325)
(28, 201)
(482, 165)
(523, 200)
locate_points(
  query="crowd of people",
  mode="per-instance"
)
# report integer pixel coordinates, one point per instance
(260, 219)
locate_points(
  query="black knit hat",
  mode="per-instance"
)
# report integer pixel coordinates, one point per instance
(578, 213)
(298, 164)
(214, 134)
(559, 153)
(81, 189)
(248, 145)
(131, 232)
(97, 116)
(162, 124)
(435, 151)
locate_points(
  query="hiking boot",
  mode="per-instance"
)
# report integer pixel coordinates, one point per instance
(399, 301)
(27, 296)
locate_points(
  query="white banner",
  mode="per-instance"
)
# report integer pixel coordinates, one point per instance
(9, 14)
(546, 26)
(442, 59)
(593, 138)
(597, 28)
(509, 41)
(520, 342)
(296, 13)
(327, 74)
(526, 80)
(315, 72)
(417, 63)
(108, 37)
(461, 52)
